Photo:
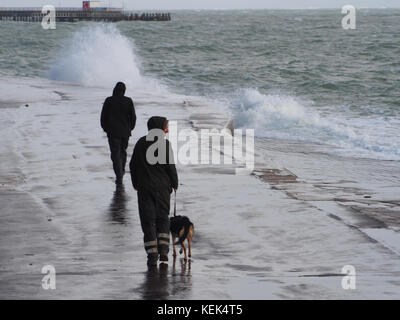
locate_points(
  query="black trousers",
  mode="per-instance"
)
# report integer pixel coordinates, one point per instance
(118, 148)
(154, 209)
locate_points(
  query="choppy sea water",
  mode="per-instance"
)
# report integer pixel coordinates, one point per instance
(293, 75)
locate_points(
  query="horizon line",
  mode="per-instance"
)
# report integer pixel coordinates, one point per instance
(218, 9)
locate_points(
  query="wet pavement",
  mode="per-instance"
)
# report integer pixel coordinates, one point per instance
(273, 237)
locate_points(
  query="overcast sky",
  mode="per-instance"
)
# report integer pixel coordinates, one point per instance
(211, 4)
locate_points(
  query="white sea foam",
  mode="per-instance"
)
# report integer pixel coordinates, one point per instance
(100, 56)
(285, 117)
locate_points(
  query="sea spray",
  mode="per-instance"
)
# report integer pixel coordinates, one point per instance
(99, 55)
(285, 117)
(282, 116)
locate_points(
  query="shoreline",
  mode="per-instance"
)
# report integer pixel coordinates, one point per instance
(282, 236)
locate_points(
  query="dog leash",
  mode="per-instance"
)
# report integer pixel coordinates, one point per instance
(175, 205)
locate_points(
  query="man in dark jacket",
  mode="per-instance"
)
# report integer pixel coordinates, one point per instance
(154, 175)
(118, 119)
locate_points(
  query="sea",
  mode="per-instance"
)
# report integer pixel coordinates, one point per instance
(292, 75)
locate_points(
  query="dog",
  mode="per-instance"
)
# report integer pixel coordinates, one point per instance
(183, 229)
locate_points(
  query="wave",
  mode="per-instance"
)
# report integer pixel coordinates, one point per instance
(285, 117)
(100, 56)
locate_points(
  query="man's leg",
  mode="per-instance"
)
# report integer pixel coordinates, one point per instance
(124, 146)
(162, 223)
(147, 213)
(115, 148)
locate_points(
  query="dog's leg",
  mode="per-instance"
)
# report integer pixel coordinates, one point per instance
(180, 235)
(184, 250)
(190, 247)
(173, 245)
(174, 266)
(189, 239)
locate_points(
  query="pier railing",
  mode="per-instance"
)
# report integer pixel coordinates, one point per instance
(58, 9)
(78, 14)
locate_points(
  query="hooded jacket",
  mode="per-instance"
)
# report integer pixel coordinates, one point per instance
(118, 117)
(158, 176)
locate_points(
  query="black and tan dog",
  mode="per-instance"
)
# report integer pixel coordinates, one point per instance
(183, 229)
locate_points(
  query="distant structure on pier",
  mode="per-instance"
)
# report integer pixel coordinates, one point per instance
(90, 11)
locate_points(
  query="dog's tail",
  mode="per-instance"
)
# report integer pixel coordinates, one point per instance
(184, 236)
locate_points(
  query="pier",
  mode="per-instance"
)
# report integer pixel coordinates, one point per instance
(90, 11)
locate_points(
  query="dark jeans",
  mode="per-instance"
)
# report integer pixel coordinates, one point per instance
(118, 148)
(154, 217)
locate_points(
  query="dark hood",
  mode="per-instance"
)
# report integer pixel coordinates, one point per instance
(119, 89)
(156, 123)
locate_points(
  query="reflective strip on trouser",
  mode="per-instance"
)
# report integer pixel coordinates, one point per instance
(151, 246)
(152, 250)
(163, 235)
(163, 242)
